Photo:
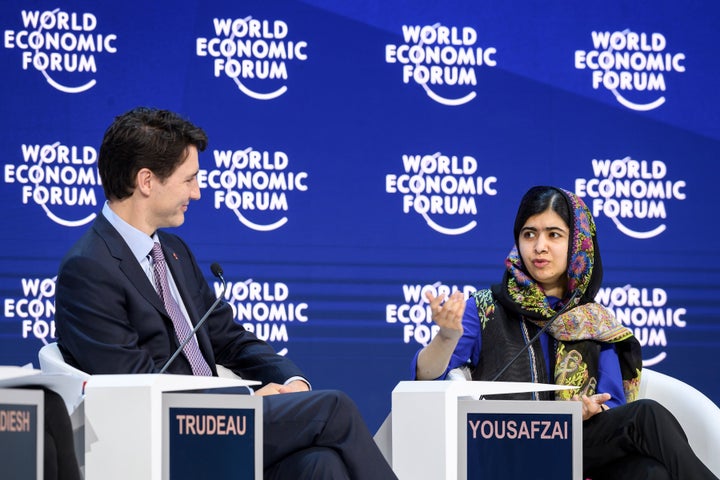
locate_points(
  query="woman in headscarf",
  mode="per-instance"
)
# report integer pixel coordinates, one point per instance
(551, 278)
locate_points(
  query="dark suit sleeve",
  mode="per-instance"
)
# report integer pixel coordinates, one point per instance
(232, 345)
(93, 319)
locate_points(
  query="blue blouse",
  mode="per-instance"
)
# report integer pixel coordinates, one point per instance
(470, 344)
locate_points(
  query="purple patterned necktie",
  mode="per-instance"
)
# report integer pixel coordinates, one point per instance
(182, 327)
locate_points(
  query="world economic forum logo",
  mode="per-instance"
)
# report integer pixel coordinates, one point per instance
(442, 60)
(254, 185)
(253, 53)
(34, 309)
(265, 309)
(633, 66)
(61, 179)
(648, 313)
(441, 188)
(631, 193)
(63, 46)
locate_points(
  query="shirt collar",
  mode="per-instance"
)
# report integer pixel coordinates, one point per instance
(140, 243)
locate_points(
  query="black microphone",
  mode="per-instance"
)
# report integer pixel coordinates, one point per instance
(218, 272)
(573, 300)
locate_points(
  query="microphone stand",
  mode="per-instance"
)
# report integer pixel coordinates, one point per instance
(218, 272)
(573, 300)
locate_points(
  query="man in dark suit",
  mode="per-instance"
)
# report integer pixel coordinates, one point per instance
(128, 295)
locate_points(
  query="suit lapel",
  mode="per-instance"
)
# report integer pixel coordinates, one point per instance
(131, 268)
(127, 262)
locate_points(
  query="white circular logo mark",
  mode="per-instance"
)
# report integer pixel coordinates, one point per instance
(623, 62)
(249, 180)
(627, 190)
(435, 56)
(249, 50)
(58, 43)
(441, 185)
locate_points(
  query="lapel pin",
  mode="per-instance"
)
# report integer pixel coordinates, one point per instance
(175, 255)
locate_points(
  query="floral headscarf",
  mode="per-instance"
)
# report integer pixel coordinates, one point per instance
(581, 329)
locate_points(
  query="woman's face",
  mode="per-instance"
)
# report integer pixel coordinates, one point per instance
(543, 245)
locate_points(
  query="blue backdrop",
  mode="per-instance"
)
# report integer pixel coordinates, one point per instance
(360, 154)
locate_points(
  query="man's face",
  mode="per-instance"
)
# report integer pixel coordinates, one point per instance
(169, 199)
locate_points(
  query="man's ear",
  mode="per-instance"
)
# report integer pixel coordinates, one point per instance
(144, 180)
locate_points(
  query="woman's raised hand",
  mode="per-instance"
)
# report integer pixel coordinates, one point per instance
(448, 314)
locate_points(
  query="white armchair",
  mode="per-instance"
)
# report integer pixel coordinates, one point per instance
(52, 361)
(698, 415)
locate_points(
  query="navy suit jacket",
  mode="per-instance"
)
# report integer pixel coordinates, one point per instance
(109, 318)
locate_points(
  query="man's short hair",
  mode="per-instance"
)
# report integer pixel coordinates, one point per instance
(144, 138)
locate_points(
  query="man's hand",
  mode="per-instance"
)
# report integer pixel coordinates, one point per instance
(276, 388)
(294, 386)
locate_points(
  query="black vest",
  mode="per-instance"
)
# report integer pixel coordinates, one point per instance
(502, 337)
